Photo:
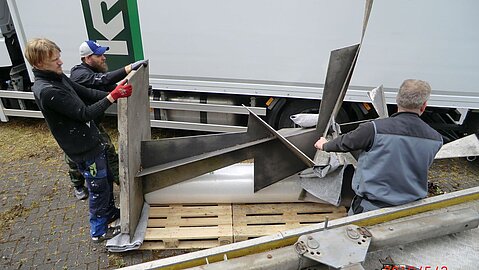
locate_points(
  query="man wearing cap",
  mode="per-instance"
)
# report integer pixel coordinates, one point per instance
(92, 72)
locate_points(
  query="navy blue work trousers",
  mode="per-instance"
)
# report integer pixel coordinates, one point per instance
(99, 180)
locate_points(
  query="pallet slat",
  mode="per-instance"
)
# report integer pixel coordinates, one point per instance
(248, 232)
(218, 220)
(255, 220)
(285, 219)
(285, 208)
(167, 234)
(185, 210)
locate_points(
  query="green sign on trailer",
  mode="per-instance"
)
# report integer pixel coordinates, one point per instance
(115, 23)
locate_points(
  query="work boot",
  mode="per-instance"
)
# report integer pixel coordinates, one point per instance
(115, 223)
(110, 233)
(80, 192)
(114, 215)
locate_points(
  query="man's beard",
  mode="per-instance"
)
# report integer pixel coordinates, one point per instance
(101, 67)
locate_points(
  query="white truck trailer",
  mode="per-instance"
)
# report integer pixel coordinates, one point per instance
(208, 57)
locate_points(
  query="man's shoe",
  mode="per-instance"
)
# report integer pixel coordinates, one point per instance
(81, 193)
(110, 233)
(114, 215)
(114, 223)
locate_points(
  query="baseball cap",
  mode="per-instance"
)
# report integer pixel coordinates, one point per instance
(90, 47)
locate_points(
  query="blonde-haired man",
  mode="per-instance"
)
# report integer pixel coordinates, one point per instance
(69, 110)
(396, 152)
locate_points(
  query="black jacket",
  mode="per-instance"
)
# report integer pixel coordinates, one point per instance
(89, 77)
(69, 109)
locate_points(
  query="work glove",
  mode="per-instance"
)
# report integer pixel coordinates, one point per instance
(138, 64)
(122, 90)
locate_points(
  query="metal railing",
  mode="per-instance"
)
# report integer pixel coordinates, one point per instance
(154, 104)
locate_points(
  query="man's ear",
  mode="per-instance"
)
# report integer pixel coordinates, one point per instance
(423, 107)
(38, 66)
(87, 59)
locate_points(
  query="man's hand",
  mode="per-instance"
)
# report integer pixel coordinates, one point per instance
(138, 64)
(319, 144)
(121, 91)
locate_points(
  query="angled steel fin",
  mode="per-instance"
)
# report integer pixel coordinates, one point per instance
(340, 70)
(303, 157)
(464, 147)
(341, 63)
(379, 101)
(280, 162)
(164, 151)
(170, 161)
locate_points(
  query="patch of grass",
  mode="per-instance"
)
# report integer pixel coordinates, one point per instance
(116, 261)
(7, 217)
(21, 138)
(51, 192)
(433, 189)
(35, 205)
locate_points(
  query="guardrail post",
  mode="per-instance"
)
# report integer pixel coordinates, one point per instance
(3, 116)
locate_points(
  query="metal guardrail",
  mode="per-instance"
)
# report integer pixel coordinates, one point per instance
(4, 112)
(154, 104)
(173, 105)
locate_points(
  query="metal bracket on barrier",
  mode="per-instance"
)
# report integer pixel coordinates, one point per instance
(3, 116)
(343, 248)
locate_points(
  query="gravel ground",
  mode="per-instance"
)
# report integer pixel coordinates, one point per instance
(42, 226)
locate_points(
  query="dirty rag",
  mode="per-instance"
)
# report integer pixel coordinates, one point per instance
(122, 243)
(305, 120)
(325, 180)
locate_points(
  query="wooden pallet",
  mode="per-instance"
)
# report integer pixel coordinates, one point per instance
(255, 220)
(187, 226)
